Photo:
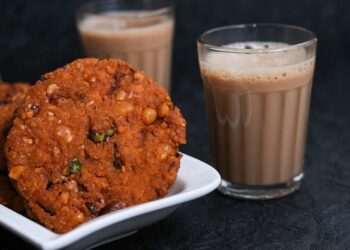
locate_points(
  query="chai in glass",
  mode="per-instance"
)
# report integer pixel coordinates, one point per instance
(141, 37)
(257, 97)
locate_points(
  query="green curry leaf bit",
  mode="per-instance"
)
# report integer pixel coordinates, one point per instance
(101, 137)
(110, 132)
(74, 166)
(97, 137)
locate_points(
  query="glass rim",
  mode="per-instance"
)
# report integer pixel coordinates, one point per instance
(85, 8)
(310, 41)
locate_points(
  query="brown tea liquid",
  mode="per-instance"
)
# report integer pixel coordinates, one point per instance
(145, 43)
(258, 113)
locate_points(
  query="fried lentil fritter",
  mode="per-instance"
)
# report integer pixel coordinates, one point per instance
(11, 97)
(92, 135)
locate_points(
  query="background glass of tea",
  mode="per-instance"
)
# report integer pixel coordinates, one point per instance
(138, 32)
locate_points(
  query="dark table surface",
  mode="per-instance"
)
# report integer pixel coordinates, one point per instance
(38, 36)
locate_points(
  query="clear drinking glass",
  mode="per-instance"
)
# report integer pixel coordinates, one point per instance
(257, 80)
(137, 31)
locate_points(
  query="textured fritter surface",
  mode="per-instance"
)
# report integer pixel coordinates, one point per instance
(93, 136)
(11, 97)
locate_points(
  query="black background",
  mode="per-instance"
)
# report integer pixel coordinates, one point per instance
(38, 36)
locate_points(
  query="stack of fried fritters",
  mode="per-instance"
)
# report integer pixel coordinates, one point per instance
(90, 137)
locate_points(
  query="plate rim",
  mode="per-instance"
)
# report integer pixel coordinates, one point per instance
(49, 240)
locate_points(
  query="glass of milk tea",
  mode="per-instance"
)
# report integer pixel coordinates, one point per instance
(257, 80)
(139, 32)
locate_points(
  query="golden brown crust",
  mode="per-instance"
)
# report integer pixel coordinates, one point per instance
(86, 138)
(11, 96)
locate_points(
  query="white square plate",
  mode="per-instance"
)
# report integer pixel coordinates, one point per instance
(195, 179)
